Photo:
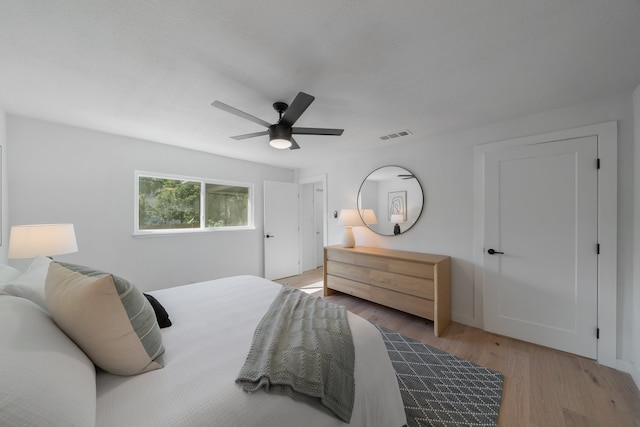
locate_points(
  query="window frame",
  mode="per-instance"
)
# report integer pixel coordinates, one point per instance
(203, 228)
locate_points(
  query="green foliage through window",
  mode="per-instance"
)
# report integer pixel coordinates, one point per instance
(170, 204)
(226, 205)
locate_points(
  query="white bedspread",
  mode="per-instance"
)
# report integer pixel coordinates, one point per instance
(213, 325)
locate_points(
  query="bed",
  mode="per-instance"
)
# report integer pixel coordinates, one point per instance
(45, 379)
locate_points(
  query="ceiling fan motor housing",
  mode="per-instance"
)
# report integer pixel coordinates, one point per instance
(279, 131)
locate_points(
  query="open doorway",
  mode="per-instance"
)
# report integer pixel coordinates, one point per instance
(313, 222)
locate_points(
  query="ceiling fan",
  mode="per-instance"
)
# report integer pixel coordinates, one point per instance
(281, 133)
(407, 176)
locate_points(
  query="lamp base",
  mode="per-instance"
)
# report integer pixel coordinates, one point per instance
(348, 240)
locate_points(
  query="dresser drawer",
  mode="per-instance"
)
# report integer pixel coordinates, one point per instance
(358, 259)
(411, 268)
(415, 286)
(403, 302)
(348, 271)
(349, 287)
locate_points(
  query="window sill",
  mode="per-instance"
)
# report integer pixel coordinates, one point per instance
(188, 231)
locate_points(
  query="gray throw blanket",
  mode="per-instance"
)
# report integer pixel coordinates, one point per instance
(303, 348)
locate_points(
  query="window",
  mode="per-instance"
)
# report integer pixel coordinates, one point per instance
(174, 204)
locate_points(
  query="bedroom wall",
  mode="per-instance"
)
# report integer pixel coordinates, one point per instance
(444, 165)
(635, 333)
(59, 173)
(4, 229)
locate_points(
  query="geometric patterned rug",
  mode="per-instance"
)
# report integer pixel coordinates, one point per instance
(440, 389)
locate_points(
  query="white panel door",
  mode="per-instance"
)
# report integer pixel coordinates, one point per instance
(281, 241)
(540, 284)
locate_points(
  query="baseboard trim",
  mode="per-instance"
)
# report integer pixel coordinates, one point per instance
(631, 369)
(466, 320)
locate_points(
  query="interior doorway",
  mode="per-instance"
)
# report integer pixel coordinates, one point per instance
(313, 222)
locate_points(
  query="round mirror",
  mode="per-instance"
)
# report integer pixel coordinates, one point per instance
(390, 200)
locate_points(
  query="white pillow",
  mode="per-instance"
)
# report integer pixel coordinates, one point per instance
(35, 276)
(30, 284)
(46, 379)
(7, 273)
(24, 292)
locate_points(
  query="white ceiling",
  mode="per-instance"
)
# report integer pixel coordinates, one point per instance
(150, 69)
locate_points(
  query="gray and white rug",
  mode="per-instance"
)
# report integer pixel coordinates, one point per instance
(439, 389)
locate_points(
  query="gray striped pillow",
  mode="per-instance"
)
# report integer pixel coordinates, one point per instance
(106, 316)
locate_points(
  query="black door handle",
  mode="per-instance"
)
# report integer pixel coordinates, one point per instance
(269, 235)
(494, 252)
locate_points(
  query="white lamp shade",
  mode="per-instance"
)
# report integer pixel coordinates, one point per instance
(349, 217)
(397, 218)
(369, 216)
(28, 241)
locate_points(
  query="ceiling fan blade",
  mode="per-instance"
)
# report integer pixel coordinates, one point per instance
(250, 135)
(230, 109)
(406, 176)
(317, 131)
(295, 110)
(294, 145)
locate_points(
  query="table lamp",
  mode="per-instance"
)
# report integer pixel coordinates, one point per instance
(349, 218)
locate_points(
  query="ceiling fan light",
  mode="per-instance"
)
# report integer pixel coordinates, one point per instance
(280, 143)
(279, 136)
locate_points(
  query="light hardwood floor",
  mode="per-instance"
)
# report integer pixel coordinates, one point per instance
(542, 387)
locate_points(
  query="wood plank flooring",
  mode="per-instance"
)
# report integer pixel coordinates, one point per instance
(542, 387)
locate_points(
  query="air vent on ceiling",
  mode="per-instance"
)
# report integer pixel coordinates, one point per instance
(394, 135)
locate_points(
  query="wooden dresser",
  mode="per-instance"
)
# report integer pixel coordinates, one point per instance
(412, 282)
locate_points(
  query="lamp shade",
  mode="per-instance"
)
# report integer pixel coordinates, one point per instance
(28, 241)
(349, 218)
(369, 216)
(397, 218)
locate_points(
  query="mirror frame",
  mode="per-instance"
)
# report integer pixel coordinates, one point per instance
(360, 207)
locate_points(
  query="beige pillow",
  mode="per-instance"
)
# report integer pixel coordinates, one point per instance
(106, 316)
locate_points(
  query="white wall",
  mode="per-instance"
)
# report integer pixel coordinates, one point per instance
(4, 211)
(59, 173)
(444, 166)
(635, 330)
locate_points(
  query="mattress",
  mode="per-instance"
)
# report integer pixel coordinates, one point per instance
(213, 325)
